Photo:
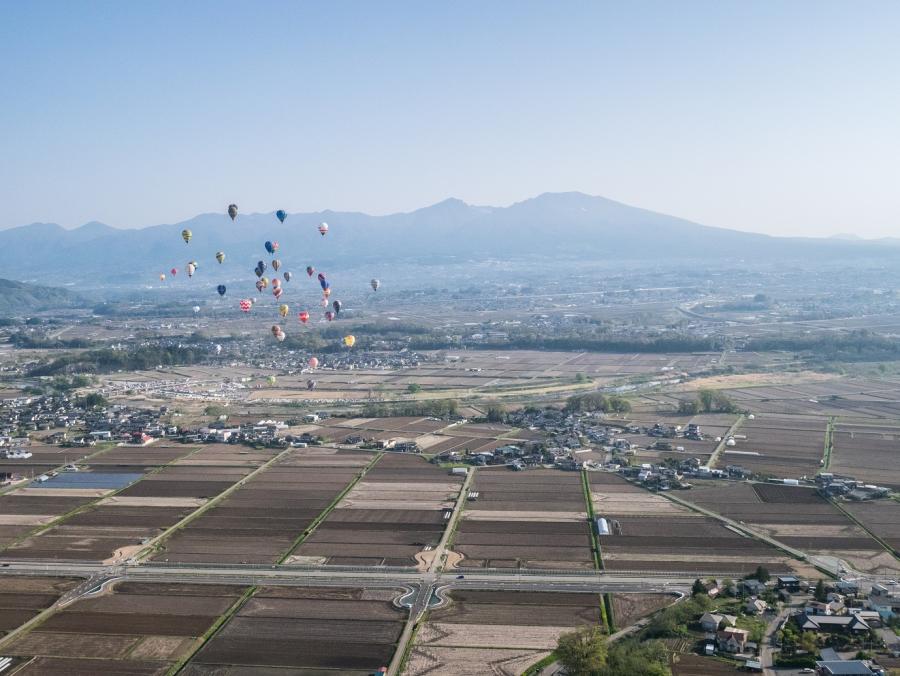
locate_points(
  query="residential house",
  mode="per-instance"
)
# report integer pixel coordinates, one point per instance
(832, 624)
(844, 668)
(711, 622)
(732, 640)
(755, 606)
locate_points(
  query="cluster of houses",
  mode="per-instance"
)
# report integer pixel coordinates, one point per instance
(843, 611)
(834, 485)
(77, 426)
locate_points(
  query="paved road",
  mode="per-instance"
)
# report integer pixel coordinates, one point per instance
(767, 646)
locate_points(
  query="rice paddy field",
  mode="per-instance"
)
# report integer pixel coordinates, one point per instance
(496, 632)
(870, 453)
(782, 447)
(268, 513)
(334, 630)
(131, 628)
(650, 533)
(395, 515)
(531, 519)
(799, 517)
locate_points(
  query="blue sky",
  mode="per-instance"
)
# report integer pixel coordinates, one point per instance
(779, 117)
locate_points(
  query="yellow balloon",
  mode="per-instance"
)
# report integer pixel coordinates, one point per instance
(349, 341)
(283, 310)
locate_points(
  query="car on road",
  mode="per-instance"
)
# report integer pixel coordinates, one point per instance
(807, 670)
(460, 577)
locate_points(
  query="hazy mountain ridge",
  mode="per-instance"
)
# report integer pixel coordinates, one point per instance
(17, 298)
(550, 225)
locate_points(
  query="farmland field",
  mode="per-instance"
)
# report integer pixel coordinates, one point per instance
(867, 452)
(533, 519)
(113, 528)
(265, 516)
(393, 516)
(496, 632)
(778, 447)
(649, 532)
(353, 631)
(786, 513)
(134, 628)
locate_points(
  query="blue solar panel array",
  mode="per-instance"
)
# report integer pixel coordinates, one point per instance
(106, 480)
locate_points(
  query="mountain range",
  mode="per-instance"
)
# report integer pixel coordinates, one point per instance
(552, 225)
(17, 298)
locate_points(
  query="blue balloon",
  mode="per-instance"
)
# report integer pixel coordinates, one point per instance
(221, 289)
(324, 284)
(269, 247)
(281, 214)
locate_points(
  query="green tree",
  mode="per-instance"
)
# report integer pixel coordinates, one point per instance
(689, 407)
(706, 398)
(582, 652)
(698, 588)
(761, 574)
(413, 388)
(636, 658)
(581, 378)
(214, 410)
(92, 400)
(819, 594)
(809, 642)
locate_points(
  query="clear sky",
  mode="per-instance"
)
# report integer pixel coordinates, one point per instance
(780, 117)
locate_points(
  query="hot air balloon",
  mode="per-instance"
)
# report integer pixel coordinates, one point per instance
(310, 270)
(265, 281)
(283, 310)
(321, 276)
(375, 284)
(281, 214)
(310, 384)
(324, 302)
(261, 265)
(271, 380)
(245, 304)
(174, 271)
(276, 329)
(252, 301)
(337, 305)
(218, 349)
(276, 282)
(190, 269)
(232, 211)
(287, 276)
(329, 315)
(323, 228)
(259, 285)
(303, 316)
(277, 291)
(271, 247)
(196, 309)
(280, 337)
(220, 256)
(313, 362)
(162, 278)
(349, 341)
(326, 292)
(221, 289)
(186, 235)
(276, 264)
(258, 271)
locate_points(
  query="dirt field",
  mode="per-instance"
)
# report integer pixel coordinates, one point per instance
(138, 627)
(504, 632)
(532, 519)
(398, 510)
(306, 628)
(629, 608)
(867, 453)
(694, 665)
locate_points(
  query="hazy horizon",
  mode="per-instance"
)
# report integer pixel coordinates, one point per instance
(767, 117)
